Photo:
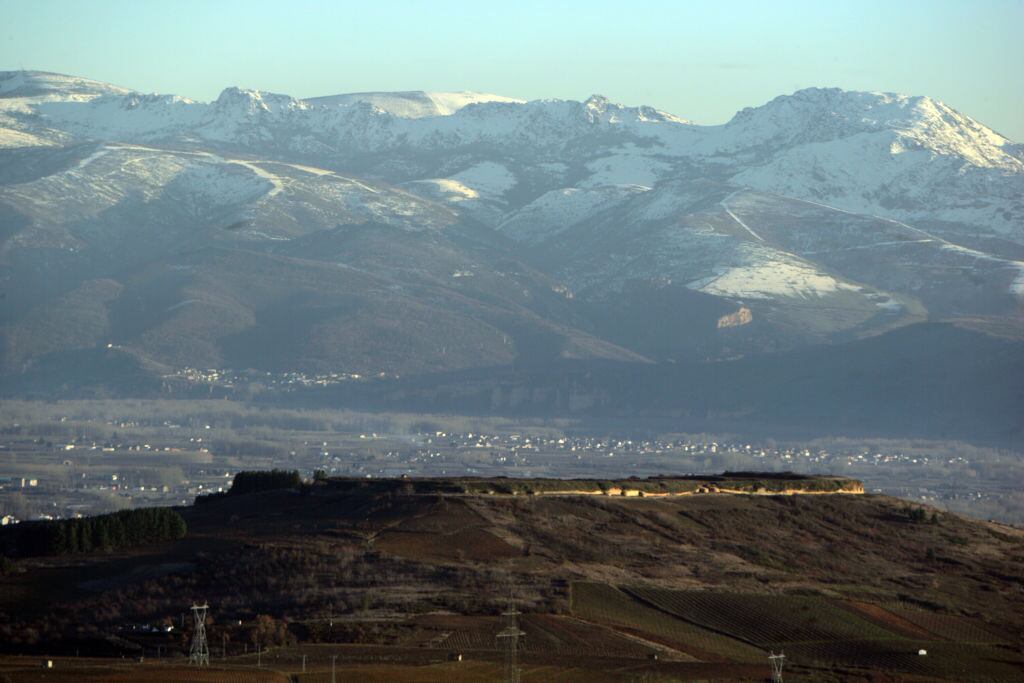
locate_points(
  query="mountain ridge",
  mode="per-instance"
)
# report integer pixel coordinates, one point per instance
(58, 82)
(499, 233)
(861, 143)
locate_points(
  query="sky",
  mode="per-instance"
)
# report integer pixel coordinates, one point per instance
(700, 60)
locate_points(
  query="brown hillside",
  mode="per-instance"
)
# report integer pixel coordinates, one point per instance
(856, 583)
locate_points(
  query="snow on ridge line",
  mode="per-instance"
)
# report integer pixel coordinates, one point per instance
(450, 102)
(917, 118)
(414, 104)
(13, 79)
(257, 117)
(878, 109)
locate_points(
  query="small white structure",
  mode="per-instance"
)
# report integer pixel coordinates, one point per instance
(922, 653)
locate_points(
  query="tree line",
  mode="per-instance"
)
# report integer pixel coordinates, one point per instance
(114, 531)
(265, 480)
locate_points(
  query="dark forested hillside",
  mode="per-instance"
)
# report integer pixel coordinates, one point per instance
(115, 531)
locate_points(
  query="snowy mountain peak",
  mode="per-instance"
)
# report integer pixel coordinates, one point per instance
(833, 108)
(598, 108)
(870, 109)
(135, 100)
(818, 115)
(855, 111)
(258, 101)
(413, 104)
(52, 86)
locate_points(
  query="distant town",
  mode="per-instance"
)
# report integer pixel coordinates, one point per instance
(234, 379)
(66, 466)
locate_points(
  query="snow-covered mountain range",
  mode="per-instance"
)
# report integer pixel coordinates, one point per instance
(403, 232)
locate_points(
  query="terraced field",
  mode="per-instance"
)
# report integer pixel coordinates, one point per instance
(550, 634)
(606, 604)
(948, 626)
(546, 634)
(465, 641)
(764, 620)
(813, 630)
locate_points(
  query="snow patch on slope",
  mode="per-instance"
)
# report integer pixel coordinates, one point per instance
(125, 117)
(558, 210)
(487, 178)
(12, 139)
(772, 279)
(863, 174)
(445, 189)
(628, 168)
(276, 185)
(129, 176)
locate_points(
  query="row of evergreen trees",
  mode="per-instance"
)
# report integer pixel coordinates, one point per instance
(265, 480)
(124, 529)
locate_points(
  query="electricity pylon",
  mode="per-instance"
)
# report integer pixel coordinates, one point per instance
(509, 639)
(777, 660)
(199, 653)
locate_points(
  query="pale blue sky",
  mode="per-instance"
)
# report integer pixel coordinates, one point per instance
(699, 60)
